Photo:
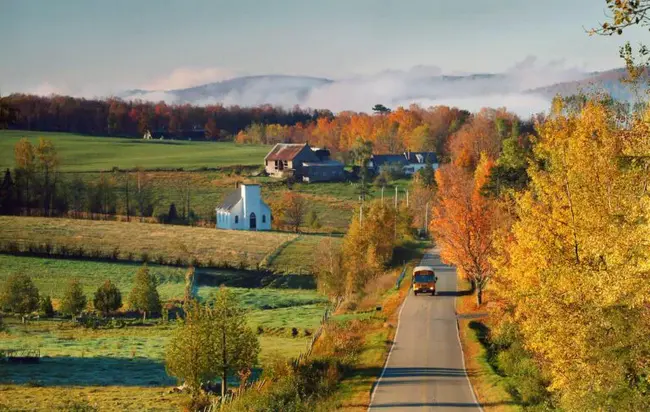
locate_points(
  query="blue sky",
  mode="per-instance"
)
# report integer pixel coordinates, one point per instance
(93, 46)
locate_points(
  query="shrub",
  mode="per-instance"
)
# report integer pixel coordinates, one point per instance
(77, 406)
(260, 329)
(294, 332)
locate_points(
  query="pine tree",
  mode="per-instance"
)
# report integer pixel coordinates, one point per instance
(144, 295)
(74, 301)
(107, 298)
(46, 307)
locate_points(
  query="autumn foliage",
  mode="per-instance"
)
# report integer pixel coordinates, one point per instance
(464, 221)
(574, 273)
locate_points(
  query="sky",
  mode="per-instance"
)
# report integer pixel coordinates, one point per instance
(93, 47)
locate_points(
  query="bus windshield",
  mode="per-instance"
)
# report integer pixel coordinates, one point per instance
(424, 278)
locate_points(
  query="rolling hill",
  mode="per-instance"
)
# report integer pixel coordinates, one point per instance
(523, 91)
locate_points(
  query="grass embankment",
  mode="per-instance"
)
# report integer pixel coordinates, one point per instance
(91, 153)
(489, 386)
(134, 241)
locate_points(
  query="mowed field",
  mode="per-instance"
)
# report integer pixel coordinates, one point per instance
(134, 240)
(90, 153)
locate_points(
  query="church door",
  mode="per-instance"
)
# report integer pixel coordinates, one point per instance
(253, 221)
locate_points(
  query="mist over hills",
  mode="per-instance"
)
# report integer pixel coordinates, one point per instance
(523, 90)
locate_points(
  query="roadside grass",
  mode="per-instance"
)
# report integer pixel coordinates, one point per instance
(490, 387)
(377, 328)
(80, 153)
(132, 241)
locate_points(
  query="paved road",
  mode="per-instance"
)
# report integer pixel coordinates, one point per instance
(425, 369)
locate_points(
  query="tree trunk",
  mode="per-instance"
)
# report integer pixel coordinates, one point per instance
(479, 296)
(224, 384)
(144, 315)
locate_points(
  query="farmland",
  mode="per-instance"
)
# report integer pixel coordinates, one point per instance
(88, 153)
(121, 367)
(208, 171)
(132, 241)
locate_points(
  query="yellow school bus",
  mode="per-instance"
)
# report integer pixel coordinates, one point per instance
(424, 280)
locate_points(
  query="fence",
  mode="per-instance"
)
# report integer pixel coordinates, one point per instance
(20, 355)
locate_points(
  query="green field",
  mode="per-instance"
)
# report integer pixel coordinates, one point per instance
(51, 276)
(86, 156)
(122, 368)
(90, 153)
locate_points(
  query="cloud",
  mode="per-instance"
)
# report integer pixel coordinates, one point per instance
(185, 77)
(424, 85)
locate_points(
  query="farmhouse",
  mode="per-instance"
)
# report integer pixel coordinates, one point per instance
(244, 209)
(410, 162)
(303, 162)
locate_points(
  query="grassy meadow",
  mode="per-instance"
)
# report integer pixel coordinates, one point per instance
(86, 156)
(123, 368)
(130, 240)
(90, 153)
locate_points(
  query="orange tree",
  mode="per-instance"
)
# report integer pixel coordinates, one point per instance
(464, 221)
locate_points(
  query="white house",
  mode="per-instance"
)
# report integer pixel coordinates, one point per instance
(244, 209)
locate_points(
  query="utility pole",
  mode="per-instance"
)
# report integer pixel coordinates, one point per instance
(407, 198)
(361, 214)
(395, 197)
(426, 218)
(382, 195)
(395, 212)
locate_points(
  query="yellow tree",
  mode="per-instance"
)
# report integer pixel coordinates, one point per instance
(576, 269)
(368, 245)
(463, 222)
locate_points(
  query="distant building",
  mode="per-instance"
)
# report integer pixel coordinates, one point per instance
(410, 162)
(303, 162)
(244, 209)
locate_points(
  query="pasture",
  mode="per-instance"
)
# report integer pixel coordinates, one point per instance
(81, 153)
(121, 367)
(51, 277)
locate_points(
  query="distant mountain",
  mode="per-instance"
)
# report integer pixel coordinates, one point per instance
(245, 91)
(524, 91)
(609, 81)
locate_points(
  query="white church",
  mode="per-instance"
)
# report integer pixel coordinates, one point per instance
(244, 209)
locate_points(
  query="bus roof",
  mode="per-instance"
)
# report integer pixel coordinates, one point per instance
(423, 268)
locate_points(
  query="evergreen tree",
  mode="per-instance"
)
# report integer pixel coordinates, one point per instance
(7, 194)
(107, 298)
(46, 307)
(144, 295)
(74, 300)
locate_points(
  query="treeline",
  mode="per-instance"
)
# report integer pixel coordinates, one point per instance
(35, 187)
(413, 128)
(556, 231)
(116, 117)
